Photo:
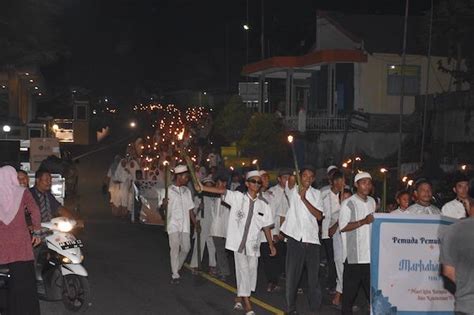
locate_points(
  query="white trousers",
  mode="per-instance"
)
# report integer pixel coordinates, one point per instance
(179, 249)
(206, 239)
(337, 245)
(246, 274)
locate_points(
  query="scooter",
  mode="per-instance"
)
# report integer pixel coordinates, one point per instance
(59, 273)
(4, 276)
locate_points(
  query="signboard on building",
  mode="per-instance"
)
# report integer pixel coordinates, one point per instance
(359, 121)
(250, 91)
(40, 149)
(405, 267)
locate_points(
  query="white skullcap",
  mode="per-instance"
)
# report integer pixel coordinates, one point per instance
(361, 175)
(330, 168)
(252, 174)
(262, 172)
(180, 169)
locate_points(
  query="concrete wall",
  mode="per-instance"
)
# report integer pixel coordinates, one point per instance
(371, 95)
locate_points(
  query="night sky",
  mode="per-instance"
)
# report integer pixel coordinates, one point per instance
(126, 48)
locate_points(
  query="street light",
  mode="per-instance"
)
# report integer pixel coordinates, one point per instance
(6, 130)
(246, 27)
(384, 172)
(463, 167)
(133, 124)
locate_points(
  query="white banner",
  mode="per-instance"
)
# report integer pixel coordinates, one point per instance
(405, 268)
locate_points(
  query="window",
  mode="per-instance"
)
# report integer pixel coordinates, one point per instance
(412, 80)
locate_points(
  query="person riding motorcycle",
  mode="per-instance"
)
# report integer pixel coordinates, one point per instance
(49, 206)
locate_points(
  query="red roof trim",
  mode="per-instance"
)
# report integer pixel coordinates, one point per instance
(314, 58)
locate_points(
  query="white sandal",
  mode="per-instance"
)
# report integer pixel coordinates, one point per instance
(238, 306)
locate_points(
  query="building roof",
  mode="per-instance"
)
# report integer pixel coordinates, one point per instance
(381, 33)
(276, 67)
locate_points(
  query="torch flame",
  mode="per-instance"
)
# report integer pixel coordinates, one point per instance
(290, 139)
(181, 135)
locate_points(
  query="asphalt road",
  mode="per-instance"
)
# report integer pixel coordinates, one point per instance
(128, 264)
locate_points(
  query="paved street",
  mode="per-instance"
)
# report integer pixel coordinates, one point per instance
(129, 267)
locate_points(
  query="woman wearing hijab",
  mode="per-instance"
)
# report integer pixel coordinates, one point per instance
(16, 245)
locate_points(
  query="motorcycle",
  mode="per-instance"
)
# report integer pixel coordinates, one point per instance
(4, 276)
(59, 272)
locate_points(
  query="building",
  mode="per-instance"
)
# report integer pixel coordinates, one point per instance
(19, 90)
(354, 66)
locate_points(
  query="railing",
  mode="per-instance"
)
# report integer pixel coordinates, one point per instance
(318, 123)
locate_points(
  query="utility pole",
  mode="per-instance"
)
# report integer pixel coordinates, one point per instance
(227, 57)
(402, 92)
(425, 100)
(262, 33)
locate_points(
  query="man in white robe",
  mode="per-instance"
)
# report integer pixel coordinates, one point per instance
(248, 216)
(180, 213)
(204, 206)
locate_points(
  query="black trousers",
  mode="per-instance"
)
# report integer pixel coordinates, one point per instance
(272, 266)
(299, 255)
(355, 276)
(22, 298)
(331, 266)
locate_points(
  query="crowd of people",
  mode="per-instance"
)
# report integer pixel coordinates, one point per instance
(290, 228)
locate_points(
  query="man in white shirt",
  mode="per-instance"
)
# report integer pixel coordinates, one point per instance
(424, 197)
(458, 207)
(272, 265)
(303, 247)
(355, 219)
(220, 218)
(330, 233)
(330, 199)
(180, 211)
(403, 198)
(329, 171)
(281, 204)
(203, 205)
(249, 215)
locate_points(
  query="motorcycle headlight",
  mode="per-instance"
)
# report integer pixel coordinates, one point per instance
(66, 260)
(65, 226)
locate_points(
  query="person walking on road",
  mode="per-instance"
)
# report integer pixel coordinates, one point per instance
(249, 215)
(180, 210)
(303, 247)
(204, 207)
(424, 197)
(272, 266)
(355, 223)
(458, 208)
(332, 237)
(16, 252)
(220, 218)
